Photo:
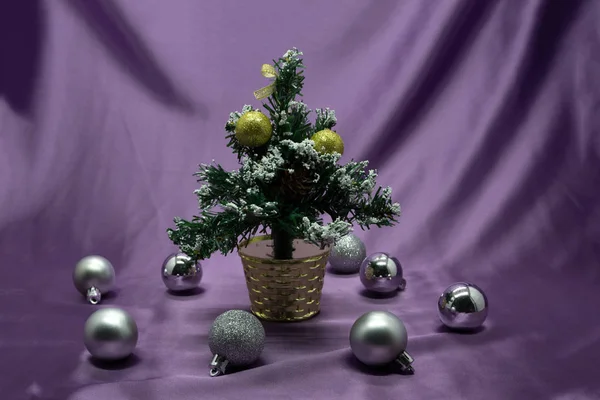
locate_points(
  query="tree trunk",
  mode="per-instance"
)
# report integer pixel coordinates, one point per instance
(283, 244)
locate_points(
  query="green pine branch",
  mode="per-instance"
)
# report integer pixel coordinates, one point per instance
(284, 187)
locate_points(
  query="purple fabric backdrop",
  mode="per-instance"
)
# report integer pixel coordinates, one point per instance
(482, 115)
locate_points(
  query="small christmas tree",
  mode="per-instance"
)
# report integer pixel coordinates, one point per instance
(288, 180)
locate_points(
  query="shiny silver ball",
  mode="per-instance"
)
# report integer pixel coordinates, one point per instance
(179, 275)
(347, 254)
(94, 276)
(382, 273)
(110, 334)
(463, 306)
(378, 338)
(236, 337)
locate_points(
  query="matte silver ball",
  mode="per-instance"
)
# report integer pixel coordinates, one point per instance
(110, 334)
(94, 276)
(382, 273)
(178, 275)
(347, 254)
(237, 338)
(378, 338)
(463, 306)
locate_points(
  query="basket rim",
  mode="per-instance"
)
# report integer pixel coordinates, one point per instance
(323, 253)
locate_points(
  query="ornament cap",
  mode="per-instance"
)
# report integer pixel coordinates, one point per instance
(218, 364)
(405, 360)
(402, 285)
(93, 295)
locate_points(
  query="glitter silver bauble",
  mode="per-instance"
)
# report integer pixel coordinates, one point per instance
(236, 337)
(378, 338)
(178, 274)
(110, 334)
(382, 273)
(463, 306)
(94, 276)
(347, 254)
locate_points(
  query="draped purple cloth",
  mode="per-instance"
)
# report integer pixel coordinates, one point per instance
(482, 115)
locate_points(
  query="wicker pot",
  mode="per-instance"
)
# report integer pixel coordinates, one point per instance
(283, 290)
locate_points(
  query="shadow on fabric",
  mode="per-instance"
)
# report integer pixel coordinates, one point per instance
(554, 20)
(117, 365)
(385, 370)
(452, 44)
(122, 41)
(22, 26)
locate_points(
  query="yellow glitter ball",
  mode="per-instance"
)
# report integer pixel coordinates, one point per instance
(327, 142)
(253, 129)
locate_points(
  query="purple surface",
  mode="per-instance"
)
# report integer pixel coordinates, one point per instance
(482, 115)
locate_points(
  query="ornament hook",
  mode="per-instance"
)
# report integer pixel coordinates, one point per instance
(405, 361)
(93, 295)
(218, 364)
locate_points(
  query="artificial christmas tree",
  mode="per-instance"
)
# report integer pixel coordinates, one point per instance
(288, 180)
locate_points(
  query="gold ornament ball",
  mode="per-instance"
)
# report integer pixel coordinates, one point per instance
(327, 142)
(253, 129)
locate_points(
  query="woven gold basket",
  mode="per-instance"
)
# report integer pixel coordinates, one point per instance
(283, 290)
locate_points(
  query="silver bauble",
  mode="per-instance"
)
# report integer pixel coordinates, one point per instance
(94, 276)
(236, 337)
(179, 275)
(463, 306)
(110, 334)
(347, 254)
(382, 273)
(379, 337)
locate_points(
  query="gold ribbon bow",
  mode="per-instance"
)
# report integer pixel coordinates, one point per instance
(268, 71)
